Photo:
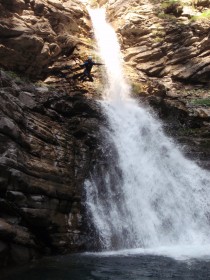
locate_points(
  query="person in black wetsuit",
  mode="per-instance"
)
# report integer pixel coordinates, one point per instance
(88, 64)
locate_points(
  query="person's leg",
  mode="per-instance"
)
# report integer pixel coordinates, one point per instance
(90, 77)
(83, 76)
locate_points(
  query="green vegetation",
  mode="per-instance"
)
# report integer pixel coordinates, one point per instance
(158, 35)
(21, 80)
(202, 102)
(137, 88)
(166, 16)
(43, 84)
(170, 10)
(91, 41)
(203, 16)
(158, 39)
(173, 7)
(13, 74)
(168, 3)
(17, 78)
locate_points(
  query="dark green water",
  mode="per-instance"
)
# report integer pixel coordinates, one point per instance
(90, 267)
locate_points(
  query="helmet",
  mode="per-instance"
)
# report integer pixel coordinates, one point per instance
(89, 57)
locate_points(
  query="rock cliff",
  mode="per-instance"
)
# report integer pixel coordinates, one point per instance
(49, 144)
(48, 135)
(35, 33)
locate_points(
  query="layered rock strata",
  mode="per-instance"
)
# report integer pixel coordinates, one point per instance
(159, 42)
(34, 34)
(48, 146)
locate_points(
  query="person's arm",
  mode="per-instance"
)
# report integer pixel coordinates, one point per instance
(84, 64)
(95, 63)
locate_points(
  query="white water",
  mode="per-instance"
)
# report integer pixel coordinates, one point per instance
(180, 253)
(161, 200)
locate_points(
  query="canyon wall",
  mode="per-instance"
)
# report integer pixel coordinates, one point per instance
(47, 145)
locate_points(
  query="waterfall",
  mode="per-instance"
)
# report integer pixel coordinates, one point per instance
(149, 194)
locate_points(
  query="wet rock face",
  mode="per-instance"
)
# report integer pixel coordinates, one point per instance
(49, 141)
(186, 118)
(34, 34)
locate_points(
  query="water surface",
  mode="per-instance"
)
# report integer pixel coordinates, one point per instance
(113, 267)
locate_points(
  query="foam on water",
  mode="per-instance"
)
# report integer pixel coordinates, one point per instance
(180, 253)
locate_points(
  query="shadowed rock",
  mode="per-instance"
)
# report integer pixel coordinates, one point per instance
(49, 142)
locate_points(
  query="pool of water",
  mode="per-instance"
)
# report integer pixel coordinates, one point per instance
(113, 267)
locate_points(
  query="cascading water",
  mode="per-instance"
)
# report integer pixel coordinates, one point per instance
(151, 195)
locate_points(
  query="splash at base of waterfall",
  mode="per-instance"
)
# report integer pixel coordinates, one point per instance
(179, 253)
(160, 199)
